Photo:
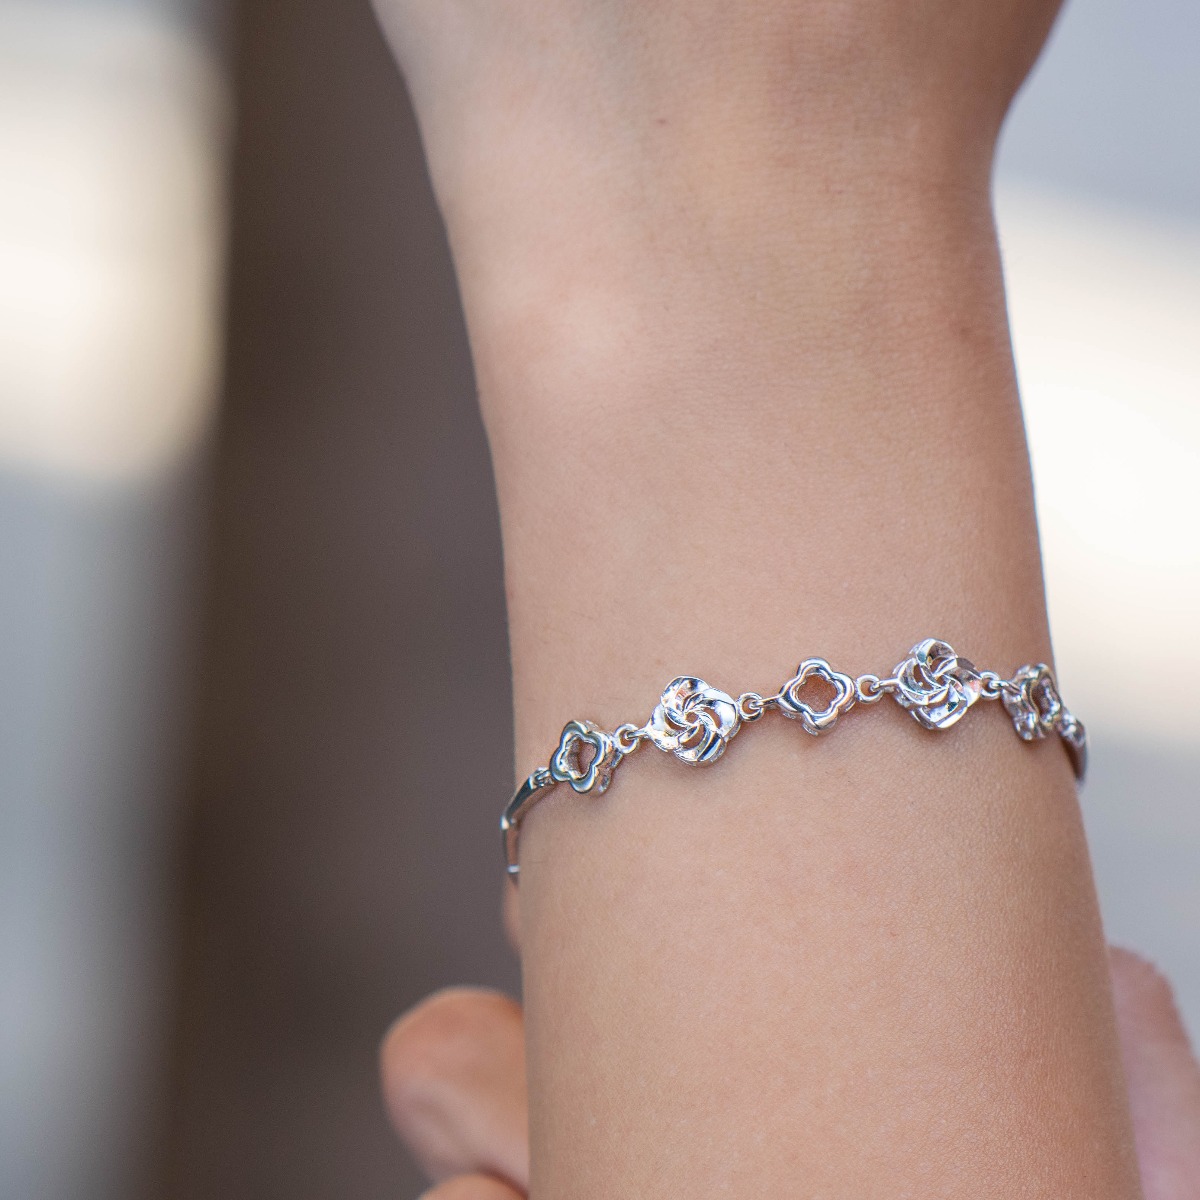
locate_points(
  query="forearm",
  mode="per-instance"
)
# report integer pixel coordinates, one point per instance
(869, 962)
(727, 448)
(738, 323)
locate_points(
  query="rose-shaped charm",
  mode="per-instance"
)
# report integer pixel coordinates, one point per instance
(816, 720)
(693, 721)
(1032, 700)
(936, 685)
(585, 757)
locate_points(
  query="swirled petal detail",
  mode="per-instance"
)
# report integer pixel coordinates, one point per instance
(935, 685)
(693, 721)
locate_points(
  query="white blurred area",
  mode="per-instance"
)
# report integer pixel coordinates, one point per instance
(111, 152)
(109, 229)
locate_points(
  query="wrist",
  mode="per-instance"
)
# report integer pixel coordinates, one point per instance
(829, 405)
(799, 290)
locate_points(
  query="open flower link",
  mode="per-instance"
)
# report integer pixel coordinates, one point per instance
(812, 719)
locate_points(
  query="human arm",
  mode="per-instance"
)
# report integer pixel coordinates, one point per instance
(738, 323)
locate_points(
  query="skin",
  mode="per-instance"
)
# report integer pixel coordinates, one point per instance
(454, 1080)
(738, 322)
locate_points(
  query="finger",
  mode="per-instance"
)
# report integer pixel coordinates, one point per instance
(454, 1080)
(473, 1187)
(1164, 1079)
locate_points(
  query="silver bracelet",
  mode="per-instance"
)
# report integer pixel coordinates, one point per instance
(696, 722)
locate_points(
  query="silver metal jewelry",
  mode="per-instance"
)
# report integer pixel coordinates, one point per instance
(696, 722)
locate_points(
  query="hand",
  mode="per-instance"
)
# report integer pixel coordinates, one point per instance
(454, 1080)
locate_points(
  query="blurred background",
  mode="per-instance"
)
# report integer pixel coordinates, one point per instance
(246, 519)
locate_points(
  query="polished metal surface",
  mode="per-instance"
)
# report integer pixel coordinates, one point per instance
(693, 721)
(1032, 700)
(815, 720)
(935, 685)
(585, 757)
(510, 823)
(696, 722)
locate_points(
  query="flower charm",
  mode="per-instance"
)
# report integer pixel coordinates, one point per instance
(585, 757)
(1033, 702)
(1031, 699)
(816, 720)
(693, 721)
(936, 685)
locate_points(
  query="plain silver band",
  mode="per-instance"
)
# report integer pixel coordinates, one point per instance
(526, 797)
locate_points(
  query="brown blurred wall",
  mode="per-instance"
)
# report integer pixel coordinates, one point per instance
(353, 727)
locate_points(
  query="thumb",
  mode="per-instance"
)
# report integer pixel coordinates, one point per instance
(1164, 1079)
(472, 1187)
